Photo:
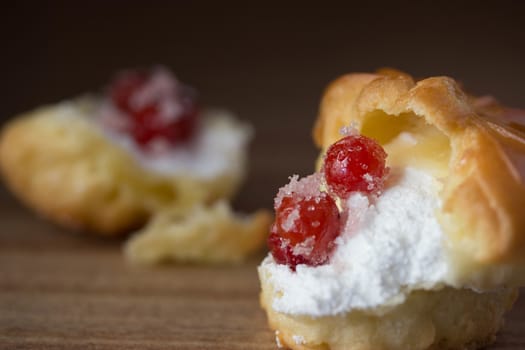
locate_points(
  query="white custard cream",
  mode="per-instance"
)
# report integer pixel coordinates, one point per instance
(394, 245)
(218, 147)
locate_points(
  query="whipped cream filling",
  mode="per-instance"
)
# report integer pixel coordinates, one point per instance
(389, 247)
(218, 148)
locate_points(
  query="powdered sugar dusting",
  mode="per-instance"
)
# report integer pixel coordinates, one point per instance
(348, 130)
(160, 87)
(298, 339)
(277, 340)
(305, 247)
(307, 187)
(370, 181)
(388, 247)
(289, 223)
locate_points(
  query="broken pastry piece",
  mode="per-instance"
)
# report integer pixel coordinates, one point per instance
(411, 234)
(206, 235)
(107, 164)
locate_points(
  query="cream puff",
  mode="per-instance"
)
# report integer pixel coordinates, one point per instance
(411, 234)
(108, 163)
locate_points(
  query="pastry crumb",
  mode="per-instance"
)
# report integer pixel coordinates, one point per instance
(203, 234)
(278, 341)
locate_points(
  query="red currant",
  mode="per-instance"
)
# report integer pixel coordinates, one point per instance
(124, 87)
(148, 126)
(158, 107)
(304, 230)
(355, 163)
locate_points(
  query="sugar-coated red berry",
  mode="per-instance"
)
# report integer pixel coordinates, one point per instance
(148, 126)
(304, 230)
(124, 87)
(158, 107)
(355, 163)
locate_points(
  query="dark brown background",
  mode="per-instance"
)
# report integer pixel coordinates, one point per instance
(268, 62)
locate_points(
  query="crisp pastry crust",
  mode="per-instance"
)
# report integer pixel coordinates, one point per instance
(59, 163)
(476, 148)
(445, 319)
(212, 234)
(474, 145)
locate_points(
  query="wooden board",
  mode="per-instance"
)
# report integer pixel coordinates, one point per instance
(64, 291)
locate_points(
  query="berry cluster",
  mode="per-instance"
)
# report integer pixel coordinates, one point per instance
(307, 220)
(158, 107)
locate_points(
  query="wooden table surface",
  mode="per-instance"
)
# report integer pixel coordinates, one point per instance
(67, 291)
(64, 291)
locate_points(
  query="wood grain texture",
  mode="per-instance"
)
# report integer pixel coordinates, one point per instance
(64, 291)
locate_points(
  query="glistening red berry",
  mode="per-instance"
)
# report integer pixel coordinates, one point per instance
(148, 126)
(304, 230)
(124, 87)
(157, 106)
(355, 163)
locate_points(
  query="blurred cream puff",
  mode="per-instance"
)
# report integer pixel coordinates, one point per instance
(108, 163)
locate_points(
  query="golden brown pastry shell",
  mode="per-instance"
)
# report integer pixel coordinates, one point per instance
(212, 234)
(57, 162)
(479, 155)
(449, 318)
